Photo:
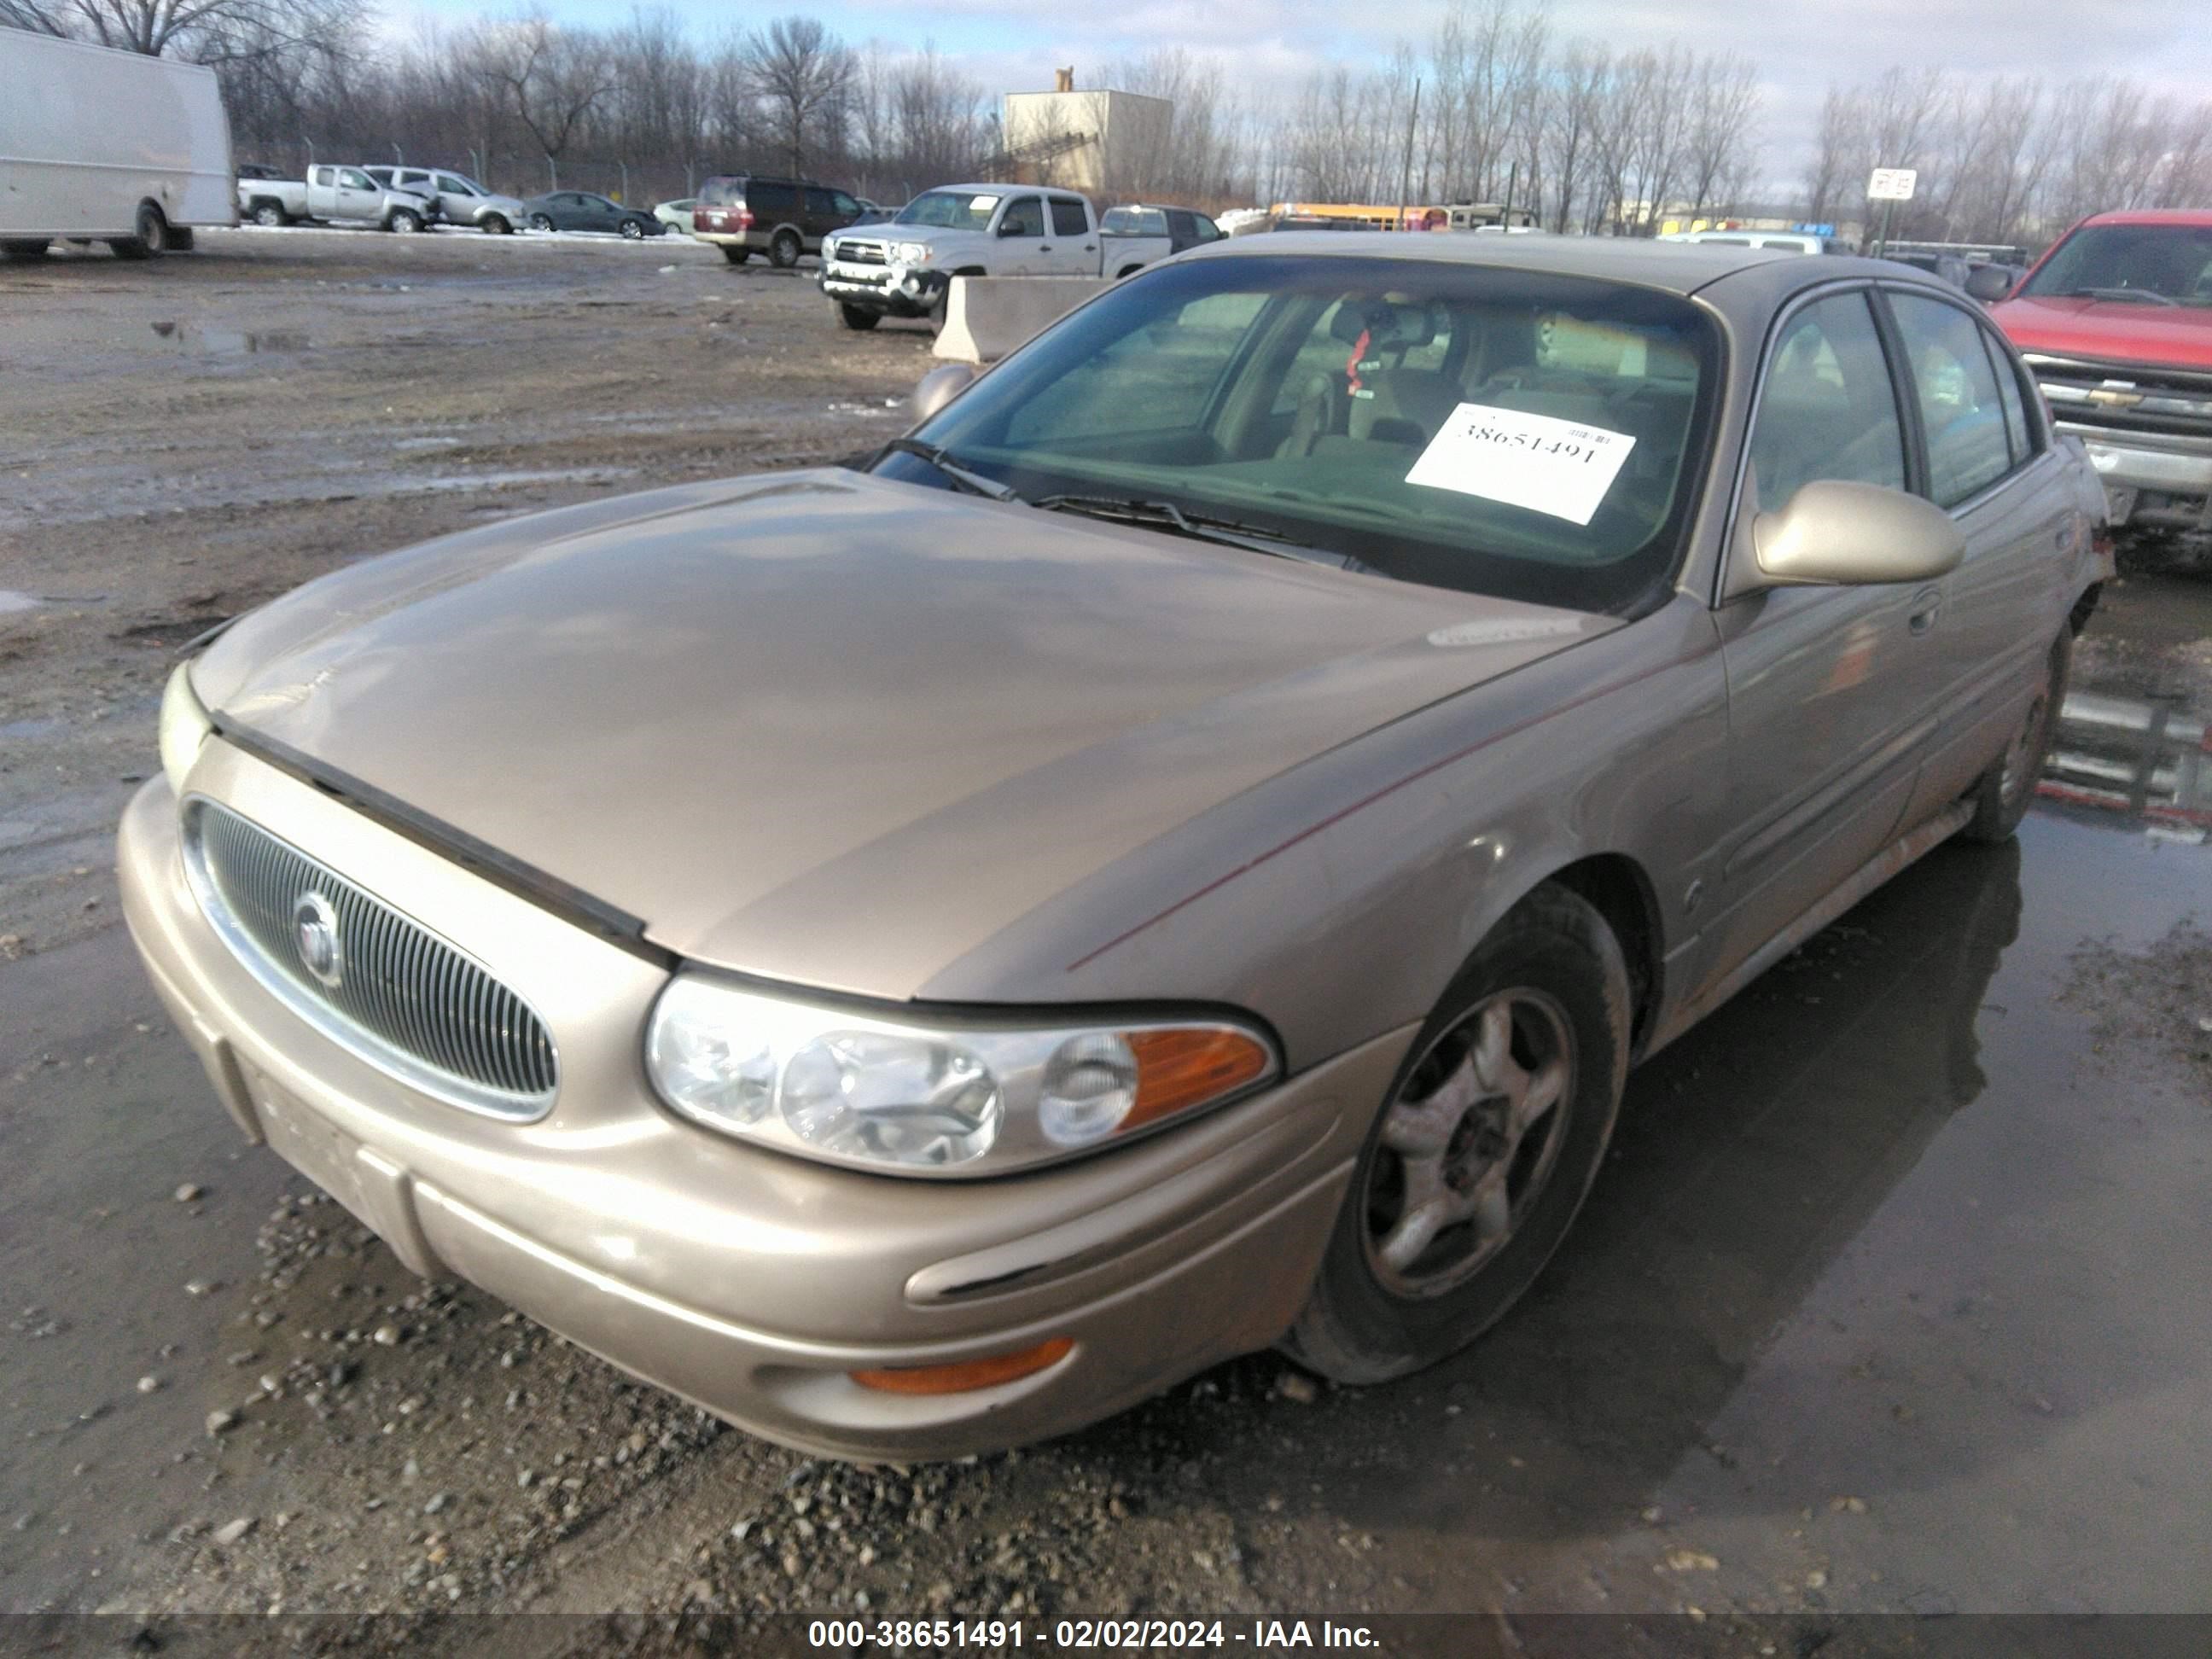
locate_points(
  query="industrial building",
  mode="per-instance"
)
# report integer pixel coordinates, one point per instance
(1094, 141)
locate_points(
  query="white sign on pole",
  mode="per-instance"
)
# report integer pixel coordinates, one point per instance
(1891, 184)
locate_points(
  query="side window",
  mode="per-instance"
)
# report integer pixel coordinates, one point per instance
(820, 205)
(1959, 404)
(1022, 218)
(1207, 230)
(1323, 354)
(2018, 432)
(324, 176)
(1181, 226)
(452, 187)
(843, 205)
(772, 201)
(1068, 218)
(1827, 408)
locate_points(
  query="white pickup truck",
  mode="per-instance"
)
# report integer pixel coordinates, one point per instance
(905, 267)
(334, 195)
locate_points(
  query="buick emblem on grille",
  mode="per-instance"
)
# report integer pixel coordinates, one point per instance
(315, 935)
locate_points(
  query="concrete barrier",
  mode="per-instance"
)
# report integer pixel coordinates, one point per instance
(987, 317)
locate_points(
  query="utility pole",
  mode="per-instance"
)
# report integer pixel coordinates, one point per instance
(1512, 181)
(1406, 172)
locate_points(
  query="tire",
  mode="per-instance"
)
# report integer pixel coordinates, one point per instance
(151, 237)
(855, 317)
(2003, 794)
(540, 222)
(935, 315)
(495, 224)
(23, 252)
(270, 214)
(1535, 1028)
(784, 249)
(632, 231)
(736, 256)
(405, 222)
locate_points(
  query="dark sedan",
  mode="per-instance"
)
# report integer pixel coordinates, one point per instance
(580, 209)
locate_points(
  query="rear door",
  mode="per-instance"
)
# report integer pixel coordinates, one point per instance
(1827, 722)
(1071, 246)
(1991, 466)
(1021, 238)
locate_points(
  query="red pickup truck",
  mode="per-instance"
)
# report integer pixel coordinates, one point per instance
(2116, 323)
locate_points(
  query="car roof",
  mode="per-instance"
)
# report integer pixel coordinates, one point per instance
(1675, 267)
(2196, 218)
(1006, 190)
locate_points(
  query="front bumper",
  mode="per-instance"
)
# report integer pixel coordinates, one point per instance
(2149, 479)
(894, 290)
(749, 1283)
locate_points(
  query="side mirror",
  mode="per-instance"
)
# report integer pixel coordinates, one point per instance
(1988, 284)
(1009, 228)
(1847, 534)
(939, 387)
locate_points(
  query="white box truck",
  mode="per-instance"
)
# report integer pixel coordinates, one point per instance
(102, 146)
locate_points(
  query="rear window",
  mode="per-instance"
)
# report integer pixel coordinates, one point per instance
(723, 192)
(1134, 222)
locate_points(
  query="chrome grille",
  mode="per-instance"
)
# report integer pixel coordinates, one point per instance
(393, 991)
(2126, 397)
(860, 253)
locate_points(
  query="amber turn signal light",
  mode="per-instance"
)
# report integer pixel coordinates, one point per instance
(1178, 1069)
(969, 1374)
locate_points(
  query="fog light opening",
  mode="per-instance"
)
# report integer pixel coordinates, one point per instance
(969, 1374)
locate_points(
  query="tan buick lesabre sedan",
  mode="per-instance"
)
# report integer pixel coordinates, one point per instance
(1177, 855)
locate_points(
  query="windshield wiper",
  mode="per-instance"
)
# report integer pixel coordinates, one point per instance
(1201, 526)
(2149, 296)
(974, 482)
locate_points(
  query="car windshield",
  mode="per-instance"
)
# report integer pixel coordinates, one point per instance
(950, 210)
(2147, 265)
(1493, 429)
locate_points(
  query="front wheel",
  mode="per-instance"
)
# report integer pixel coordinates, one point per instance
(2003, 794)
(406, 221)
(495, 224)
(1483, 1150)
(632, 231)
(783, 250)
(540, 222)
(855, 317)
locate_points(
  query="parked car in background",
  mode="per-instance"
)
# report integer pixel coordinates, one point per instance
(255, 170)
(2116, 321)
(583, 209)
(334, 195)
(461, 200)
(905, 268)
(745, 214)
(1948, 267)
(111, 147)
(1778, 241)
(675, 215)
(1135, 231)
(1174, 856)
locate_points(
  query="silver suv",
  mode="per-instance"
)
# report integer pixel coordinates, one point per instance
(460, 198)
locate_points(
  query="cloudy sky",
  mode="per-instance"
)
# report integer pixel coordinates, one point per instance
(1800, 46)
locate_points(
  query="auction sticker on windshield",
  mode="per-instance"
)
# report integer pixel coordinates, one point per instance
(1536, 461)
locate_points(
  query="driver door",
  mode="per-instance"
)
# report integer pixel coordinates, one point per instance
(1829, 714)
(1021, 251)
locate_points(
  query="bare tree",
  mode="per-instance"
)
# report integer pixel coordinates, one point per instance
(803, 73)
(553, 78)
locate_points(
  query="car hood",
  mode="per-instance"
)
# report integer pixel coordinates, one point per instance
(2115, 331)
(832, 729)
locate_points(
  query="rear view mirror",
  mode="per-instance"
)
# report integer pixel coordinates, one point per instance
(1988, 283)
(1833, 531)
(939, 387)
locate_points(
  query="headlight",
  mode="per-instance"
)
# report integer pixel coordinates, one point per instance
(951, 1097)
(910, 253)
(185, 726)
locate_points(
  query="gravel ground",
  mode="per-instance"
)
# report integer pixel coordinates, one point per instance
(1857, 1319)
